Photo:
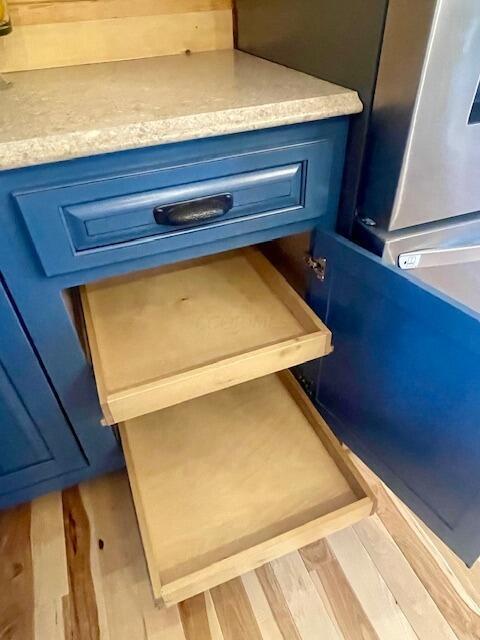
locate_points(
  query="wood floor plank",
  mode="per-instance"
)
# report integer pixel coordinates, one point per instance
(49, 622)
(379, 605)
(194, 617)
(428, 567)
(347, 610)
(277, 602)
(49, 563)
(81, 622)
(16, 575)
(121, 577)
(234, 611)
(96, 549)
(112, 511)
(214, 624)
(467, 579)
(412, 597)
(162, 624)
(118, 565)
(308, 611)
(261, 609)
(387, 578)
(49, 558)
(314, 577)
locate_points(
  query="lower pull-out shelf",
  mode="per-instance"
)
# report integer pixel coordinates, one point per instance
(231, 480)
(167, 335)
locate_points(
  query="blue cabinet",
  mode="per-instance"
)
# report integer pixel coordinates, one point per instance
(36, 442)
(71, 223)
(402, 387)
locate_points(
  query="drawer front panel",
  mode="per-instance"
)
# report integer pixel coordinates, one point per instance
(291, 176)
(126, 218)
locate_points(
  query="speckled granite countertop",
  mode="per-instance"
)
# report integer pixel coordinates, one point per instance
(59, 114)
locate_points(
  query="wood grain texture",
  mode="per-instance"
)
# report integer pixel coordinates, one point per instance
(370, 588)
(465, 580)
(80, 610)
(432, 568)
(23, 12)
(277, 602)
(263, 614)
(50, 574)
(16, 577)
(214, 623)
(360, 567)
(49, 566)
(194, 616)
(414, 600)
(203, 521)
(308, 610)
(235, 612)
(49, 622)
(347, 610)
(168, 335)
(124, 597)
(56, 34)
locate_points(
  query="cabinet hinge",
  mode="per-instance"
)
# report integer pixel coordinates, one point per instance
(317, 265)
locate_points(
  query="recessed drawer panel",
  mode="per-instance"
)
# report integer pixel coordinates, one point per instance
(286, 184)
(126, 218)
(227, 482)
(167, 335)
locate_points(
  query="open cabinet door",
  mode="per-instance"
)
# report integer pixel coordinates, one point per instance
(402, 387)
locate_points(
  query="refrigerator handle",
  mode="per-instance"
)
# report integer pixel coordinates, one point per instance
(439, 257)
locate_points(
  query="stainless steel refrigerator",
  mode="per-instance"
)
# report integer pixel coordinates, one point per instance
(420, 201)
(400, 285)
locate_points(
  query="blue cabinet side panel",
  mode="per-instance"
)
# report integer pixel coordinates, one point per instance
(402, 386)
(36, 441)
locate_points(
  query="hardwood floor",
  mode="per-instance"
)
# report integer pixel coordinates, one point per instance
(72, 568)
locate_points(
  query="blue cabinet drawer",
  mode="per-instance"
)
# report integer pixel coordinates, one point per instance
(290, 176)
(129, 217)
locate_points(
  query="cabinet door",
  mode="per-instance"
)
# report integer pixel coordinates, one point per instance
(402, 387)
(36, 442)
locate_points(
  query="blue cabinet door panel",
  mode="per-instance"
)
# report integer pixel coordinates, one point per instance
(402, 386)
(36, 441)
(21, 444)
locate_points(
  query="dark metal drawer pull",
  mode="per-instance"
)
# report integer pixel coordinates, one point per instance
(194, 211)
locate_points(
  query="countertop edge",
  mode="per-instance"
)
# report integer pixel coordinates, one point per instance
(63, 147)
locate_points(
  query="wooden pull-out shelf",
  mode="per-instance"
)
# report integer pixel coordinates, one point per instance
(231, 480)
(168, 335)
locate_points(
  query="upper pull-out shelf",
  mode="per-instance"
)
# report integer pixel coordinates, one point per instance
(168, 335)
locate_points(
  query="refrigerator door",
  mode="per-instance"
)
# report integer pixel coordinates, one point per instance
(428, 170)
(402, 387)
